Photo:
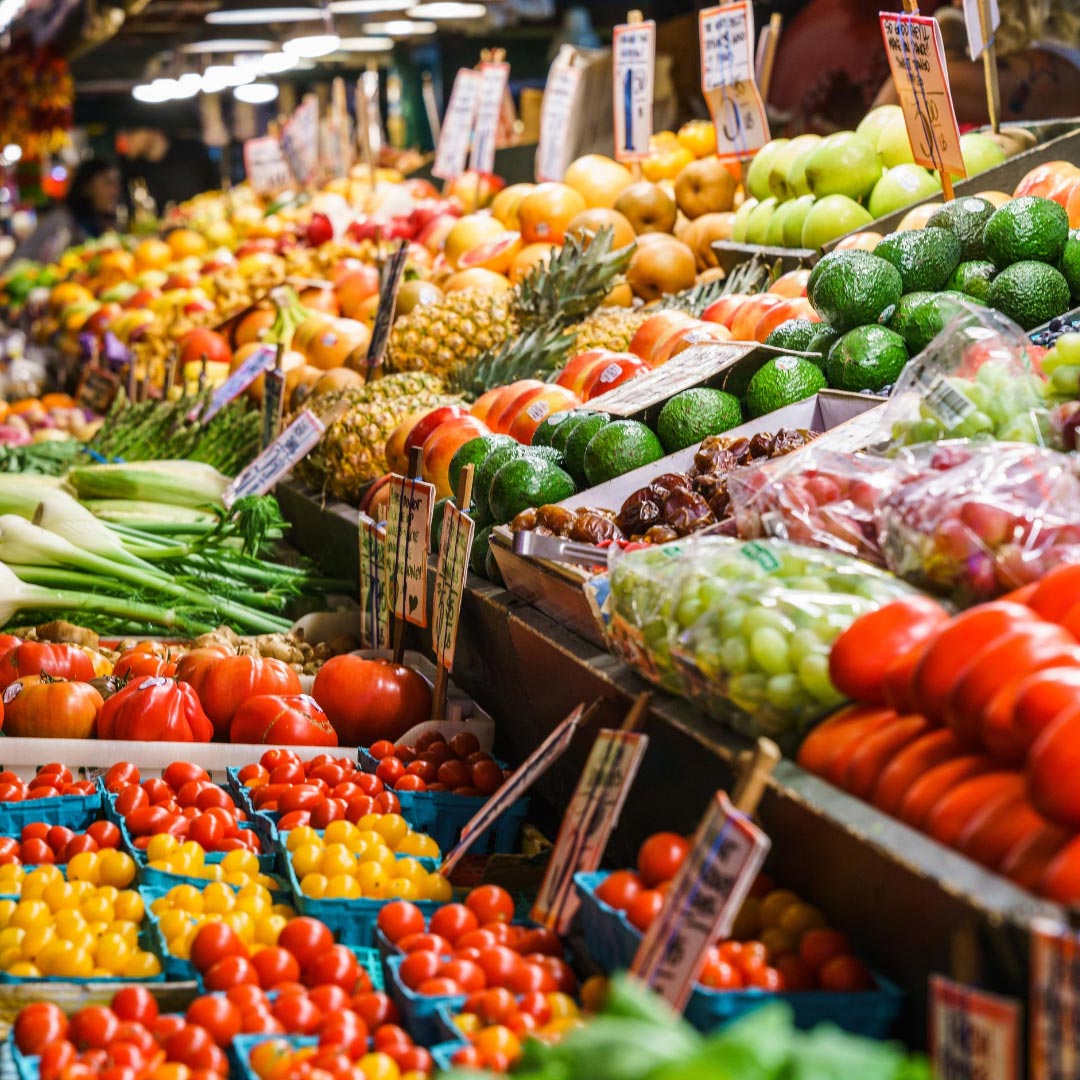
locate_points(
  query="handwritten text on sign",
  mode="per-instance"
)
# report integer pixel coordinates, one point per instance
(493, 82)
(702, 902)
(530, 770)
(588, 822)
(300, 140)
(917, 60)
(237, 382)
(267, 170)
(560, 93)
(973, 1035)
(374, 610)
(1055, 1002)
(277, 459)
(633, 48)
(408, 537)
(452, 154)
(455, 545)
(727, 80)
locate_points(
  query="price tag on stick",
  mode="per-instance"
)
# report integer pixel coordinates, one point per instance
(727, 80)
(273, 403)
(408, 538)
(494, 78)
(300, 140)
(633, 54)
(560, 97)
(267, 170)
(254, 366)
(1054, 1038)
(916, 56)
(452, 153)
(277, 459)
(388, 290)
(973, 1035)
(591, 816)
(530, 770)
(374, 610)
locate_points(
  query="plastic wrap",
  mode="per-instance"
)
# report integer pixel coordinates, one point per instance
(742, 628)
(982, 519)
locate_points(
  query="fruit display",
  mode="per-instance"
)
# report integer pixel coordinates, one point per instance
(40, 843)
(458, 767)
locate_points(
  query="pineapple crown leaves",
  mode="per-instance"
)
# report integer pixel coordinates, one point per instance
(749, 277)
(536, 354)
(571, 284)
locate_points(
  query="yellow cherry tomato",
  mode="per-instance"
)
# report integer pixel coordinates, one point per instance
(161, 846)
(301, 837)
(307, 859)
(404, 889)
(340, 832)
(379, 1066)
(343, 887)
(240, 862)
(142, 965)
(268, 929)
(117, 868)
(437, 887)
(314, 885)
(392, 828)
(30, 913)
(373, 880)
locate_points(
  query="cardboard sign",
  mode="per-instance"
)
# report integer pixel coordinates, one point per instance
(300, 140)
(1054, 1036)
(560, 96)
(530, 770)
(494, 78)
(977, 40)
(633, 54)
(384, 318)
(452, 153)
(374, 609)
(254, 366)
(917, 60)
(727, 80)
(97, 390)
(267, 170)
(973, 1035)
(277, 459)
(455, 546)
(408, 538)
(702, 901)
(588, 823)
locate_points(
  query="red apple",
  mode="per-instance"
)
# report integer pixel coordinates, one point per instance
(429, 422)
(619, 368)
(523, 423)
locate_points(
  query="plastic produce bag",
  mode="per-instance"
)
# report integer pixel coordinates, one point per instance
(974, 380)
(742, 628)
(982, 519)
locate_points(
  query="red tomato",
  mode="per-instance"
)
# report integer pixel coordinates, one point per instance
(191, 1046)
(541, 940)
(410, 782)
(451, 921)
(486, 777)
(454, 774)
(861, 654)
(105, 833)
(55, 1060)
(958, 807)
(38, 1025)
(1040, 699)
(328, 810)
(230, 971)
(275, 965)
(305, 938)
(1057, 592)
(300, 797)
(414, 1059)
(390, 770)
(845, 973)
(375, 1009)
(131, 798)
(137, 665)
(43, 705)
(997, 828)
(154, 710)
(438, 987)
(148, 820)
(344, 1029)
(911, 763)
(660, 857)
(36, 852)
(294, 720)
(219, 1016)
(180, 773)
(234, 680)
(490, 904)
(371, 700)
(330, 998)
(121, 775)
(386, 802)
(718, 974)
(78, 845)
(1052, 769)
(335, 966)
(213, 942)
(207, 832)
(93, 1027)
(418, 967)
(877, 750)
(381, 748)
(466, 973)
(644, 908)
(64, 662)
(1029, 859)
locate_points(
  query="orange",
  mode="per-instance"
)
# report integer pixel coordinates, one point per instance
(598, 180)
(477, 278)
(546, 213)
(504, 207)
(496, 254)
(699, 137)
(666, 163)
(185, 242)
(467, 233)
(153, 254)
(528, 258)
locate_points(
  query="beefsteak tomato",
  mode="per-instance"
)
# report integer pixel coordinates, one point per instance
(293, 720)
(1052, 767)
(137, 664)
(155, 709)
(233, 680)
(34, 657)
(39, 706)
(369, 700)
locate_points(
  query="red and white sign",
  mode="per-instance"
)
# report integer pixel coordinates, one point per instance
(588, 822)
(455, 546)
(702, 902)
(300, 140)
(408, 540)
(633, 56)
(291, 446)
(560, 96)
(973, 1035)
(267, 170)
(917, 59)
(254, 366)
(494, 79)
(727, 80)
(1054, 1033)
(452, 153)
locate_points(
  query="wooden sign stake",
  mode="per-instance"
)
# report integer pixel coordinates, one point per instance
(415, 458)
(170, 372)
(754, 771)
(768, 59)
(990, 71)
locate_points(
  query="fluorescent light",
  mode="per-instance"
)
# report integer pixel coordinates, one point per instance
(229, 45)
(400, 28)
(12, 152)
(447, 9)
(368, 7)
(224, 76)
(187, 86)
(255, 16)
(256, 93)
(276, 62)
(151, 93)
(312, 45)
(366, 44)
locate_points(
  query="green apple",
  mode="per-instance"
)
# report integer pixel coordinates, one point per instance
(833, 217)
(875, 121)
(900, 187)
(894, 145)
(774, 236)
(980, 153)
(742, 215)
(785, 183)
(757, 227)
(793, 221)
(757, 176)
(843, 164)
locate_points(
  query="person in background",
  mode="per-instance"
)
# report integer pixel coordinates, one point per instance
(89, 209)
(1038, 54)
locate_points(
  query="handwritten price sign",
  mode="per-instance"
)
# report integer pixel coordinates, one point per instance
(494, 78)
(374, 609)
(277, 459)
(560, 96)
(300, 140)
(973, 1035)
(633, 54)
(267, 170)
(455, 544)
(452, 153)
(408, 537)
(236, 383)
(1055, 1001)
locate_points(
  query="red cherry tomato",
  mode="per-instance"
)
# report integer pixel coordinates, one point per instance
(490, 903)
(660, 857)
(399, 919)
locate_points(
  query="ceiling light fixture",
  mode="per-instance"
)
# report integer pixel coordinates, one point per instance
(256, 93)
(368, 7)
(400, 28)
(12, 153)
(151, 93)
(276, 62)
(257, 16)
(225, 76)
(229, 45)
(312, 45)
(187, 86)
(366, 44)
(447, 9)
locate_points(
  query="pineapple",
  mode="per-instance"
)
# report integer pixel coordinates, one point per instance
(477, 340)
(352, 451)
(609, 328)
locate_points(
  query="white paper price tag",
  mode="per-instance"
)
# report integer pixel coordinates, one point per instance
(277, 459)
(633, 54)
(408, 538)
(261, 359)
(267, 170)
(1054, 1044)
(530, 770)
(300, 140)
(727, 80)
(560, 95)
(973, 1035)
(588, 822)
(374, 609)
(702, 902)
(493, 82)
(455, 545)
(976, 39)
(452, 154)
(916, 56)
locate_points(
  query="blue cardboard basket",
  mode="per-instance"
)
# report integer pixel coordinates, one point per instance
(419, 1013)
(442, 1055)
(146, 942)
(27, 1066)
(448, 1030)
(153, 878)
(72, 811)
(612, 941)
